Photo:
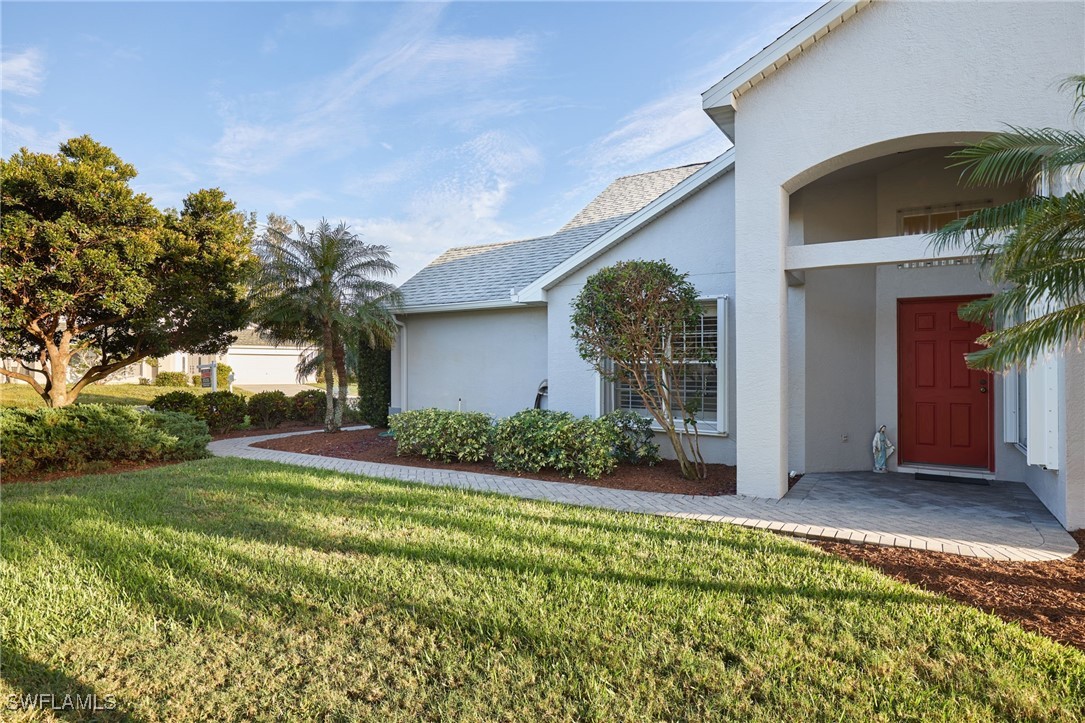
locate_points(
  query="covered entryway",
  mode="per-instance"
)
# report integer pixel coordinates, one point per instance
(946, 409)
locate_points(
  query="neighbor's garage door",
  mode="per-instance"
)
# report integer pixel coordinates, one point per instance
(263, 367)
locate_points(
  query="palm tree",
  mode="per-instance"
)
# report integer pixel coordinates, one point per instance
(1034, 247)
(318, 289)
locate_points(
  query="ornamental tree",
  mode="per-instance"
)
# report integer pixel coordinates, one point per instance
(629, 322)
(91, 266)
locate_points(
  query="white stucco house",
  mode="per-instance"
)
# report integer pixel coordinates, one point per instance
(254, 359)
(806, 241)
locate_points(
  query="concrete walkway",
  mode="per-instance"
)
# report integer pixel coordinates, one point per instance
(1003, 521)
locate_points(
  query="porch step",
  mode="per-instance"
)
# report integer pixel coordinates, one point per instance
(930, 477)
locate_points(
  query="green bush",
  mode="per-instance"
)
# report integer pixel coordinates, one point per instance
(536, 439)
(222, 411)
(374, 384)
(443, 435)
(309, 406)
(184, 436)
(144, 382)
(222, 376)
(267, 410)
(186, 402)
(171, 379)
(69, 438)
(197, 380)
(636, 441)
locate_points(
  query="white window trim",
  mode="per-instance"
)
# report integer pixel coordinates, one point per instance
(719, 428)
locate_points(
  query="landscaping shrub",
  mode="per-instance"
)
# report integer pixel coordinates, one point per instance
(443, 435)
(144, 382)
(197, 380)
(536, 439)
(186, 402)
(183, 436)
(222, 411)
(171, 379)
(267, 410)
(374, 384)
(222, 376)
(309, 406)
(72, 437)
(636, 441)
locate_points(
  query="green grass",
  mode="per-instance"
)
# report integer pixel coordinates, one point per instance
(22, 395)
(229, 589)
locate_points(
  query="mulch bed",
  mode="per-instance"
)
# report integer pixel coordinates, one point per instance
(367, 446)
(282, 428)
(1045, 597)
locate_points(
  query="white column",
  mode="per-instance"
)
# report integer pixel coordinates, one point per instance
(761, 337)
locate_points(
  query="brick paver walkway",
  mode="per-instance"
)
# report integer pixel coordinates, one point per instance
(1003, 521)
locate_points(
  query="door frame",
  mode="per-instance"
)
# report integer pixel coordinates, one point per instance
(962, 298)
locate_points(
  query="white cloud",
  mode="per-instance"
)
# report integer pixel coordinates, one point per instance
(16, 136)
(462, 208)
(336, 114)
(23, 73)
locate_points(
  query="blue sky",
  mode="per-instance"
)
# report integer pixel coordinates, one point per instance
(423, 126)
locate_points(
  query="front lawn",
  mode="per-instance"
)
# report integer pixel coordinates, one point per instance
(24, 396)
(229, 589)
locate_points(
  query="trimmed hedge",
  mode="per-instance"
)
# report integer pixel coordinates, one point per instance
(268, 410)
(374, 384)
(69, 438)
(171, 379)
(309, 406)
(442, 435)
(186, 402)
(535, 439)
(223, 411)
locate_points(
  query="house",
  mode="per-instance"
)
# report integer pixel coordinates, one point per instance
(807, 243)
(254, 359)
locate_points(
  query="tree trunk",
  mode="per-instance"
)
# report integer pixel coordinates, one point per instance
(329, 381)
(56, 387)
(340, 357)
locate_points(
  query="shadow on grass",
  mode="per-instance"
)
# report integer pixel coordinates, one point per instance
(42, 688)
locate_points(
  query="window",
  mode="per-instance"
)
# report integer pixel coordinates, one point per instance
(928, 219)
(702, 377)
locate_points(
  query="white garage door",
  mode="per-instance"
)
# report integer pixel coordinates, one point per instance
(263, 367)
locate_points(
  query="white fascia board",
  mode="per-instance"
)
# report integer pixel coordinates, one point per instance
(535, 292)
(719, 100)
(465, 306)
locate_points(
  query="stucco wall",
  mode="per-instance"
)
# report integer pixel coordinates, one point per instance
(491, 360)
(840, 340)
(897, 76)
(697, 238)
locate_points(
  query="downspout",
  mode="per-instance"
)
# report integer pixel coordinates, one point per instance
(402, 365)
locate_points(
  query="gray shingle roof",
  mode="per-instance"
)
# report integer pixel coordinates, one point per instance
(490, 272)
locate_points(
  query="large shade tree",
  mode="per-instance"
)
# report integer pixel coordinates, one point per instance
(91, 270)
(1033, 247)
(323, 289)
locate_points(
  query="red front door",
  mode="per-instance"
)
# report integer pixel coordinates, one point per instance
(946, 409)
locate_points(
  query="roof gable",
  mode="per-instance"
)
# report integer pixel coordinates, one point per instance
(490, 275)
(719, 100)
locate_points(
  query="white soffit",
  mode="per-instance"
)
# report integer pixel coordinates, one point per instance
(719, 100)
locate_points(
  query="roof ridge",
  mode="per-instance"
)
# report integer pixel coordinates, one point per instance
(661, 170)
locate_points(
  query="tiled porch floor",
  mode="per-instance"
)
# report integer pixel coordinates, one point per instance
(1003, 521)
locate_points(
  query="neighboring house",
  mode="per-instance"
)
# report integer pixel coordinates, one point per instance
(253, 358)
(807, 243)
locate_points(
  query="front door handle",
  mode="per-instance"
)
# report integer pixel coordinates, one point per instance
(983, 385)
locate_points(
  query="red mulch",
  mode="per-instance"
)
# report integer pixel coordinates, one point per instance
(367, 446)
(1045, 597)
